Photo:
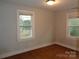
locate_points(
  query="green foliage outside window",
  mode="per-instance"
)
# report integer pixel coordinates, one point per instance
(74, 27)
(25, 25)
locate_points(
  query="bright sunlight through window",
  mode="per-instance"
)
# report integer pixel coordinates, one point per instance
(73, 27)
(25, 25)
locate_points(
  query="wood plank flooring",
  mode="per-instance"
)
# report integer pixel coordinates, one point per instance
(49, 52)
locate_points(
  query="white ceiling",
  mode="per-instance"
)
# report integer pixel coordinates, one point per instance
(60, 4)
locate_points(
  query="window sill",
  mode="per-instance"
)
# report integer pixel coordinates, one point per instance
(26, 39)
(73, 37)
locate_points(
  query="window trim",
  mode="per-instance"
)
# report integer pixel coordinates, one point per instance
(33, 24)
(67, 27)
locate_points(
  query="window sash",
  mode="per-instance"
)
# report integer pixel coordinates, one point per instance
(32, 14)
(25, 30)
(73, 31)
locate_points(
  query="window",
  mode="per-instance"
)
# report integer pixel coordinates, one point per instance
(25, 24)
(73, 27)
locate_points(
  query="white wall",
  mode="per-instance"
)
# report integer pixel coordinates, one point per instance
(8, 21)
(1, 28)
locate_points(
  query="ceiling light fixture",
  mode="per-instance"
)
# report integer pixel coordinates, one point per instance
(50, 2)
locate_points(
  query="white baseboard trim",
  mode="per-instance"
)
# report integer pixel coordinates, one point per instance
(67, 46)
(33, 48)
(24, 50)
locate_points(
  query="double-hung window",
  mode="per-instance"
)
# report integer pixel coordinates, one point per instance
(25, 24)
(73, 27)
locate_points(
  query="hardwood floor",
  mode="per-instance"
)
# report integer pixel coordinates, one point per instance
(49, 52)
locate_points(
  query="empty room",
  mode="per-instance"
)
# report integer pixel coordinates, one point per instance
(39, 29)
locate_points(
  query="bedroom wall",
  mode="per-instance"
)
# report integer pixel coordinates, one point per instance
(62, 37)
(44, 27)
(1, 46)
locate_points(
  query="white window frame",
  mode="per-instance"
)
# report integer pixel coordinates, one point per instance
(33, 24)
(67, 28)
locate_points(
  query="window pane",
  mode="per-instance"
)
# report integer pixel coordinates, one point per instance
(74, 30)
(25, 25)
(74, 22)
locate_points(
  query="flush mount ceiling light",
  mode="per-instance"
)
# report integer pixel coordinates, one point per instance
(50, 2)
